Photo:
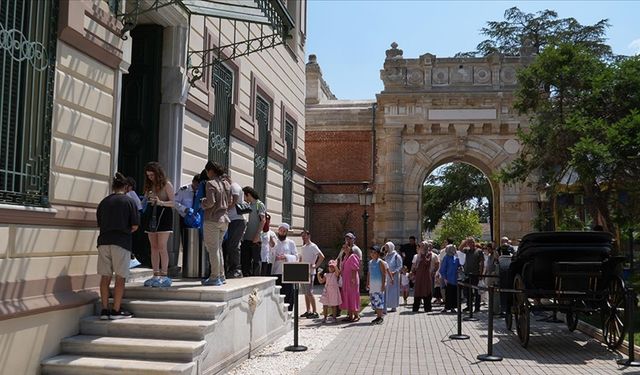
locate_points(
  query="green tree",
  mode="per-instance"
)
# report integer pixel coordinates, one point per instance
(459, 223)
(583, 118)
(455, 183)
(535, 31)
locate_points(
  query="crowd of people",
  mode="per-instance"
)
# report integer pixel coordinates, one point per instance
(232, 220)
(236, 231)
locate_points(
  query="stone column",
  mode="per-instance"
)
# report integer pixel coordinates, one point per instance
(174, 88)
(392, 213)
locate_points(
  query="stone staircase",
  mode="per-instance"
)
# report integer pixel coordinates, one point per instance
(167, 335)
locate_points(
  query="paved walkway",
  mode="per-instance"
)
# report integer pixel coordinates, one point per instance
(409, 343)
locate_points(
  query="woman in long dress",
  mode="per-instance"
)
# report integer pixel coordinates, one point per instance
(350, 272)
(392, 291)
(424, 268)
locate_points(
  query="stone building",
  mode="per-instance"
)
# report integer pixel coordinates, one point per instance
(90, 87)
(432, 111)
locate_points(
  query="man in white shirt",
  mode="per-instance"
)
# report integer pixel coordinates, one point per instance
(284, 251)
(267, 242)
(310, 254)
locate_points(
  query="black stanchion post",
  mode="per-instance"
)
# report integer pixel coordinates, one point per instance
(489, 356)
(631, 303)
(295, 347)
(470, 302)
(459, 336)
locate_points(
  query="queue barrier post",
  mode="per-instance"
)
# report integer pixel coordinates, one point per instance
(459, 335)
(490, 356)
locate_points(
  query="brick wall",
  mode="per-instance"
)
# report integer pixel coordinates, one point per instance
(337, 159)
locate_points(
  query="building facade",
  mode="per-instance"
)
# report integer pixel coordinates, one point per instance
(432, 111)
(90, 87)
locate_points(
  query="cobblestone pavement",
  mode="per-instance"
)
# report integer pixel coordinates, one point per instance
(419, 343)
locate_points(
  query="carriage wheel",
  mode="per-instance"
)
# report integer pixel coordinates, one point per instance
(614, 315)
(571, 319)
(523, 324)
(521, 310)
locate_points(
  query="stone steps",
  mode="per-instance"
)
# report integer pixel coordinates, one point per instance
(176, 329)
(168, 332)
(133, 348)
(73, 364)
(173, 309)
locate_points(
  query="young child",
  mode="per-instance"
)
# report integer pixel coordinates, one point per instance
(376, 282)
(330, 297)
(404, 283)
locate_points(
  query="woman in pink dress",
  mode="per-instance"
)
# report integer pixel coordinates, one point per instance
(330, 297)
(351, 285)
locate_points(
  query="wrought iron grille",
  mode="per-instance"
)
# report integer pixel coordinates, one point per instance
(219, 127)
(27, 51)
(263, 115)
(287, 182)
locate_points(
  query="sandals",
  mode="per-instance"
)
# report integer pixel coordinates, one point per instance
(356, 319)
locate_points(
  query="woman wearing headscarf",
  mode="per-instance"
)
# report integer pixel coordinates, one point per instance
(392, 291)
(350, 273)
(449, 273)
(424, 268)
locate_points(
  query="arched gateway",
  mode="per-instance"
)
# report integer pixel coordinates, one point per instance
(432, 111)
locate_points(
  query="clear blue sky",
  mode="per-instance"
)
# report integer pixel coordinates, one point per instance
(350, 37)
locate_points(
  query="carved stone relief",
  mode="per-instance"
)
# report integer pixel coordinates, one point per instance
(508, 75)
(481, 75)
(440, 76)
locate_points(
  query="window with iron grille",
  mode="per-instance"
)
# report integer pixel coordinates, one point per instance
(287, 174)
(263, 117)
(220, 126)
(27, 61)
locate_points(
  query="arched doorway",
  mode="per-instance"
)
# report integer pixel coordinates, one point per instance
(459, 186)
(434, 111)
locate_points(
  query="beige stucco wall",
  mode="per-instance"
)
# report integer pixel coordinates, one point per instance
(24, 342)
(279, 71)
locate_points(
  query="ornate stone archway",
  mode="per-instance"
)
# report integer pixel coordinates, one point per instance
(438, 110)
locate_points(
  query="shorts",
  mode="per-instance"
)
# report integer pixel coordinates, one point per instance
(307, 288)
(164, 220)
(113, 259)
(377, 300)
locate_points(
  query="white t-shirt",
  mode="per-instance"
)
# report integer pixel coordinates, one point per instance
(404, 279)
(310, 254)
(265, 246)
(461, 257)
(286, 248)
(236, 191)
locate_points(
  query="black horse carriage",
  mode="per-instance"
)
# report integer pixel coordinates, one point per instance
(567, 272)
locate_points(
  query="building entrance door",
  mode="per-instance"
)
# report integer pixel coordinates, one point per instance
(138, 143)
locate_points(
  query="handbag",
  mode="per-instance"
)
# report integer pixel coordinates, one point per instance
(243, 208)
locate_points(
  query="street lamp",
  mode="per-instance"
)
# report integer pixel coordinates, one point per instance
(365, 197)
(543, 200)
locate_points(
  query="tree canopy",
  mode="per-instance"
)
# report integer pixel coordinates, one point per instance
(458, 223)
(455, 184)
(536, 31)
(584, 118)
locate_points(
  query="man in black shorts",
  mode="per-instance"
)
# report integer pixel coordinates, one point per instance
(118, 217)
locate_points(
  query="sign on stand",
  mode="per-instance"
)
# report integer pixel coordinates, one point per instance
(296, 273)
